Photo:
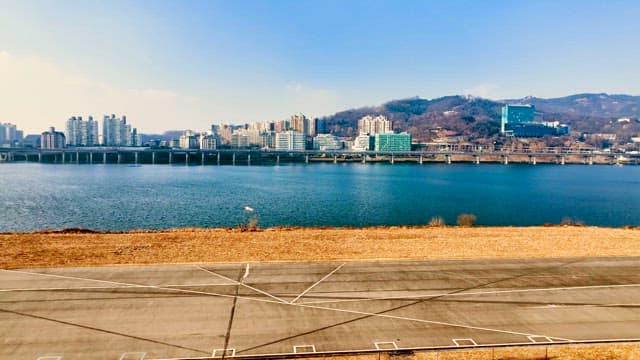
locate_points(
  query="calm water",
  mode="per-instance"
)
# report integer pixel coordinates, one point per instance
(118, 197)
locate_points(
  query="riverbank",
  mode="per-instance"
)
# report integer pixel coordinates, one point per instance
(60, 249)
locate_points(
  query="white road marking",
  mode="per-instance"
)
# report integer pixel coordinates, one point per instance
(441, 295)
(473, 343)
(141, 286)
(241, 284)
(317, 282)
(301, 349)
(246, 272)
(107, 287)
(427, 321)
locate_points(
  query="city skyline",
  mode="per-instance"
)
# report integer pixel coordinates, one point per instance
(197, 63)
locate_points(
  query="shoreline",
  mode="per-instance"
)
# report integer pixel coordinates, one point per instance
(71, 248)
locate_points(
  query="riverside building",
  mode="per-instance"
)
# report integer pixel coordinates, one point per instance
(393, 142)
(52, 139)
(290, 141)
(374, 125)
(116, 132)
(81, 133)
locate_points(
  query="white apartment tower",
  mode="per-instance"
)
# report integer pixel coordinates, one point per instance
(116, 131)
(374, 125)
(81, 133)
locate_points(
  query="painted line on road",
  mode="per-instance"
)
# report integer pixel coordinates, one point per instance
(246, 272)
(223, 353)
(427, 321)
(317, 282)
(384, 345)
(241, 284)
(540, 339)
(301, 349)
(109, 287)
(466, 342)
(133, 355)
(441, 295)
(130, 285)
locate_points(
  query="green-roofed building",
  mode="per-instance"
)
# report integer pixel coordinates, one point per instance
(392, 142)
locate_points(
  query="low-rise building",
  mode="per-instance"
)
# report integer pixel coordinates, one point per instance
(363, 142)
(290, 141)
(393, 142)
(326, 142)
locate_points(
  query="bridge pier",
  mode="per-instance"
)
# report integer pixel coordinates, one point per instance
(249, 159)
(364, 159)
(104, 157)
(392, 159)
(202, 158)
(91, 157)
(277, 159)
(447, 159)
(476, 159)
(420, 160)
(590, 160)
(186, 158)
(170, 157)
(306, 159)
(63, 157)
(218, 159)
(561, 160)
(505, 159)
(532, 160)
(135, 157)
(335, 159)
(77, 157)
(153, 158)
(234, 159)
(39, 157)
(119, 158)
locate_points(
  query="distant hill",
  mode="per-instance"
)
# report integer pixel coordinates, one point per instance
(478, 118)
(595, 105)
(425, 119)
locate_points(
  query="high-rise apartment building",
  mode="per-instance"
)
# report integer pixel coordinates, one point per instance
(81, 133)
(9, 134)
(302, 124)
(52, 139)
(116, 132)
(374, 125)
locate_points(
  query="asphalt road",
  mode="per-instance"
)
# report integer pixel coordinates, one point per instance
(200, 311)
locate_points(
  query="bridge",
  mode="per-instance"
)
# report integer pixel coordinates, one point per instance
(443, 153)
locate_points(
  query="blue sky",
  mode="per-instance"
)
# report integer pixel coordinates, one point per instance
(188, 64)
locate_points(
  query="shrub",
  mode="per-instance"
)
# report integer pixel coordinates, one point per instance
(466, 219)
(436, 221)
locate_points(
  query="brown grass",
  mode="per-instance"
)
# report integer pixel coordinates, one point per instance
(78, 248)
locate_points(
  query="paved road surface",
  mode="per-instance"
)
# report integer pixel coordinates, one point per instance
(199, 311)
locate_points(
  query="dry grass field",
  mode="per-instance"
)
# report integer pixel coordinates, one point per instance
(42, 249)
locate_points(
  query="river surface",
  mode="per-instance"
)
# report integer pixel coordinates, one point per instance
(120, 197)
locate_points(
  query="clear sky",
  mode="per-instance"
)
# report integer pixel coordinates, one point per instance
(187, 64)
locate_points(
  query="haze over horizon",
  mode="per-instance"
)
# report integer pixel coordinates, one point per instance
(168, 64)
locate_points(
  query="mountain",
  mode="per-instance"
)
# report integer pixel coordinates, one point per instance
(426, 119)
(478, 118)
(594, 105)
